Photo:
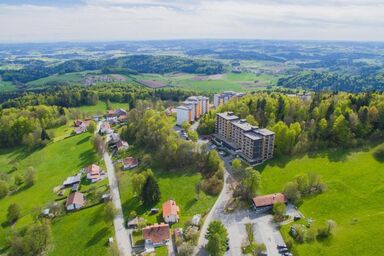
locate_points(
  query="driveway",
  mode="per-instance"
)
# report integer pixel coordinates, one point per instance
(265, 230)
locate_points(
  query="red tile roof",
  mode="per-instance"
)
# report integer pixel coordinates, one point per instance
(170, 208)
(75, 198)
(94, 171)
(130, 161)
(267, 200)
(156, 233)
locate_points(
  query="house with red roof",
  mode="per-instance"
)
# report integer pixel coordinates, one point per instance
(266, 202)
(130, 162)
(93, 172)
(171, 212)
(75, 201)
(156, 235)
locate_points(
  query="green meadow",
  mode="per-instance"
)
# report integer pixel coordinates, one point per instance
(84, 230)
(354, 199)
(215, 83)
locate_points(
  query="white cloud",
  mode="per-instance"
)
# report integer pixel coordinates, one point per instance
(105, 20)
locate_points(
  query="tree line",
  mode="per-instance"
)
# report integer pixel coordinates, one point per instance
(335, 81)
(123, 65)
(327, 120)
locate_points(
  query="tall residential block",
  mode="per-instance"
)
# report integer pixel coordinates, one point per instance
(253, 144)
(222, 98)
(192, 109)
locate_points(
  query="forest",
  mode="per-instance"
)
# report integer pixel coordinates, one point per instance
(328, 120)
(127, 64)
(335, 81)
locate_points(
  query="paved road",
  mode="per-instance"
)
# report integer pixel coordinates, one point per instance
(217, 208)
(121, 233)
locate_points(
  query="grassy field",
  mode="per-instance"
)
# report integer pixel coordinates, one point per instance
(353, 199)
(75, 77)
(83, 230)
(179, 186)
(217, 83)
(6, 86)
(101, 107)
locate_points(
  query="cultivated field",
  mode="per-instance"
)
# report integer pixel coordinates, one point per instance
(354, 199)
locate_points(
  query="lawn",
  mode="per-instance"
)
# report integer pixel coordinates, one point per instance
(83, 232)
(53, 164)
(179, 186)
(353, 199)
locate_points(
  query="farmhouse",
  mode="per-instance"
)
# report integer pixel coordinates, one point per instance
(171, 212)
(266, 202)
(75, 201)
(156, 235)
(130, 162)
(81, 126)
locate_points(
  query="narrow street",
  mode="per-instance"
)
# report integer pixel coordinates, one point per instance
(121, 233)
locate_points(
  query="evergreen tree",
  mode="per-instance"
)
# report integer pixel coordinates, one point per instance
(151, 191)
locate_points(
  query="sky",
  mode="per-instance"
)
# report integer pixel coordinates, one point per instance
(111, 20)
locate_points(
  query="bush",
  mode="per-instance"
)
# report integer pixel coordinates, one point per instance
(3, 189)
(185, 249)
(212, 186)
(13, 213)
(379, 153)
(30, 176)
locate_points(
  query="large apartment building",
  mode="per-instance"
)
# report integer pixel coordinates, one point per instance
(192, 109)
(253, 144)
(222, 98)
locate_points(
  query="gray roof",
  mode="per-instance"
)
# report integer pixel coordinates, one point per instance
(265, 132)
(228, 116)
(244, 125)
(253, 135)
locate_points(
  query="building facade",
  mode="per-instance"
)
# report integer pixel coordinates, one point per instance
(253, 144)
(222, 98)
(192, 109)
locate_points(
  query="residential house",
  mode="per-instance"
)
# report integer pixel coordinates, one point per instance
(105, 128)
(156, 235)
(75, 201)
(170, 212)
(122, 145)
(130, 163)
(93, 172)
(265, 202)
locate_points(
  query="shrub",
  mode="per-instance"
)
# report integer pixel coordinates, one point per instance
(379, 153)
(212, 186)
(30, 176)
(13, 213)
(3, 189)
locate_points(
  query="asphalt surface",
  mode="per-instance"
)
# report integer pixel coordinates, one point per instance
(121, 233)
